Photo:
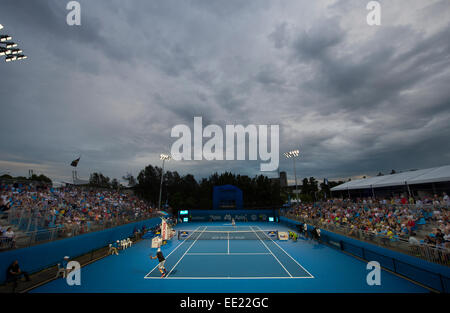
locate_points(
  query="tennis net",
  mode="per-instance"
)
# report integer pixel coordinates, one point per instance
(227, 235)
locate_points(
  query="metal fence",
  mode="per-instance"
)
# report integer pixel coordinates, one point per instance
(423, 251)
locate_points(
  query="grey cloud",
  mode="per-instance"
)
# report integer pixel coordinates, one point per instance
(355, 100)
(317, 41)
(280, 36)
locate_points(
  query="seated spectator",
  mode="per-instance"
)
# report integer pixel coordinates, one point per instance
(410, 225)
(447, 235)
(446, 199)
(8, 237)
(440, 243)
(413, 240)
(389, 234)
(439, 235)
(4, 205)
(9, 233)
(429, 240)
(14, 273)
(64, 264)
(353, 230)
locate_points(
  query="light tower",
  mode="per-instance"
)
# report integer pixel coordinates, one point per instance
(164, 158)
(293, 154)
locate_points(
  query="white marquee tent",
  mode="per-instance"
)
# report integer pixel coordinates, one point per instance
(430, 175)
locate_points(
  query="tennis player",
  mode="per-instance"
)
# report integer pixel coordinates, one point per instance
(233, 223)
(161, 260)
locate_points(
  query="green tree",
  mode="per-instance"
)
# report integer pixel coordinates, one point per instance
(40, 178)
(99, 180)
(130, 179)
(115, 184)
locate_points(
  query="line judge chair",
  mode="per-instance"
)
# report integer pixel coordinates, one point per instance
(61, 270)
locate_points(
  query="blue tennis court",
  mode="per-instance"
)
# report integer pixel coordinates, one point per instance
(227, 264)
(257, 258)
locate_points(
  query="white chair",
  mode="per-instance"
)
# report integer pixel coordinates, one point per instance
(61, 270)
(123, 244)
(113, 250)
(129, 242)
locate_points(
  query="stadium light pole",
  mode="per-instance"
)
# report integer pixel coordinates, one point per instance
(293, 154)
(164, 158)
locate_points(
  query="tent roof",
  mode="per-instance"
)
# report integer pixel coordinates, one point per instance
(80, 182)
(430, 175)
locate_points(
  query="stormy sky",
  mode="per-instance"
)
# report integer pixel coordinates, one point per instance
(355, 99)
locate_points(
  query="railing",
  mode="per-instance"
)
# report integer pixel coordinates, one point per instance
(423, 251)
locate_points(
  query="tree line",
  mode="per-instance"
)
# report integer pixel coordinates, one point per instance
(185, 192)
(34, 178)
(310, 191)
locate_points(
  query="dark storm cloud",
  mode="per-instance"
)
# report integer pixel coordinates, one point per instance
(381, 75)
(317, 41)
(356, 99)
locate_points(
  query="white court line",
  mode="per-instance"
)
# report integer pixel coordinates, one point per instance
(228, 226)
(232, 253)
(288, 255)
(228, 233)
(186, 251)
(271, 252)
(224, 277)
(171, 253)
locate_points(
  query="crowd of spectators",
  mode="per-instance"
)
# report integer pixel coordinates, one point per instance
(394, 218)
(69, 208)
(434, 201)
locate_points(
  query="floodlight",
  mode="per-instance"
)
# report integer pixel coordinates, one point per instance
(16, 51)
(10, 44)
(292, 153)
(11, 58)
(4, 51)
(164, 157)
